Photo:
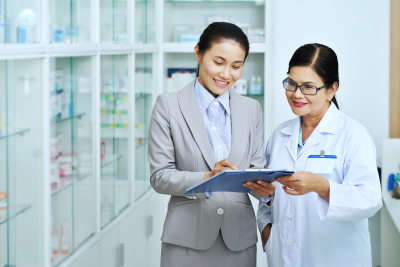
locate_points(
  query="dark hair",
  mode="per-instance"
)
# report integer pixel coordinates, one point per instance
(217, 31)
(322, 59)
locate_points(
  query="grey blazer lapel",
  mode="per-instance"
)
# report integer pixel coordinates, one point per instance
(240, 127)
(190, 109)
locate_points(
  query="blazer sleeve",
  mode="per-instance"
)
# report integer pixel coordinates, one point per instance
(165, 178)
(257, 160)
(359, 195)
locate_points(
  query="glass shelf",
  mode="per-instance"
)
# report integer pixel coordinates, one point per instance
(79, 116)
(114, 159)
(17, 132)
(15, 210)
(140, 142)
(142, 95)
(66, 183)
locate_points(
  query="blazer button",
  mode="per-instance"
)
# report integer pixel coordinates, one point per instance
(220, 211)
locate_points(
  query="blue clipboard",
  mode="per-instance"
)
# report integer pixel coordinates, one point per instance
(232, 181)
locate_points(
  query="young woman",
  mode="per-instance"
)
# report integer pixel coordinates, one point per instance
(195, 134)
(320, 213)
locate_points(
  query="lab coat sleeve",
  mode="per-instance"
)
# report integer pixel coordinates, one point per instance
(264, 217)
(257, 160)
(165, 178)
(359, 195)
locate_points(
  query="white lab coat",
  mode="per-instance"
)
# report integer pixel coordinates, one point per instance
(307, 230)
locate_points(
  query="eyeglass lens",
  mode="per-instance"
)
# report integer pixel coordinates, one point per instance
(306, 89)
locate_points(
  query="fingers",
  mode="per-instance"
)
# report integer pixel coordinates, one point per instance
(267, 185)
(290, 191)
(226, 165)
(259, 189)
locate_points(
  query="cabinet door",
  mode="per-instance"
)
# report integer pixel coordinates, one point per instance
(21, 163)
(144, 99)
(72, 172)
(20, 21)
(114, 21)
(70, 21)
(145, 19)
(115, 141)
(91, 258)
(109, 244)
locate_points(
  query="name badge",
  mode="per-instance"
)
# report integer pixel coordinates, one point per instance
(322, 164)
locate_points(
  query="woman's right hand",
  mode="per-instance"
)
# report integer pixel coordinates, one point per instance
(265, 233)
(220, 166)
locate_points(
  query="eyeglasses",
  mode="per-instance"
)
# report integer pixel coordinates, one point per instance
(305, 89)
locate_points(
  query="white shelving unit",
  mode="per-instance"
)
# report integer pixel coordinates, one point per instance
(390, 214)
(98, 54)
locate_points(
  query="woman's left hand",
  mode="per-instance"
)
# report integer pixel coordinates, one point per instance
(301, 183)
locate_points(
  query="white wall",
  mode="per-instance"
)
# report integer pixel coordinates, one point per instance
(358, 31)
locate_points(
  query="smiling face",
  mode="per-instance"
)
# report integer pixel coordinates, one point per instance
(220, 66)
(309, 105)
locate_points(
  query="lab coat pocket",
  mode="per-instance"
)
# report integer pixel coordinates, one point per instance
(273, 248)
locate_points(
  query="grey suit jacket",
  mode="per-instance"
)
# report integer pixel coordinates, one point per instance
(179, 154)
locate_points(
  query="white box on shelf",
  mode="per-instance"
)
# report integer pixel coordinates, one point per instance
(240, 86)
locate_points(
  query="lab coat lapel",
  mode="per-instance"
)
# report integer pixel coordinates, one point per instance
(240, 127)
(191, 112)
(292, 130)
(327, 125)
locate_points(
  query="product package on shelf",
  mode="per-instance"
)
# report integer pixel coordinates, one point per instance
(143, 80)
(84, 85)
(3, 206)
(54, 174)
(256, 35)
(25, 25)
(240, 86)
(116, 84)
(3, 124)
(68, 165)
(394, 183)
(178, 78)
(256, 87)
(185, 34)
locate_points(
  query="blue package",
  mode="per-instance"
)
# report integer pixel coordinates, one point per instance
(58, 36)
(22, 31)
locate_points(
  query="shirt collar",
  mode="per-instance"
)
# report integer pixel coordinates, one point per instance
(300, 142)
(205, 98)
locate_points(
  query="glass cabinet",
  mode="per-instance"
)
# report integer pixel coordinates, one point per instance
(21, 164)
(144, 98)
(182, 25)
(145, 19)
(20, 21)
(72, 169)
(114, 21)
(70, 21)
(115, 129)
